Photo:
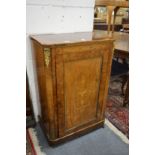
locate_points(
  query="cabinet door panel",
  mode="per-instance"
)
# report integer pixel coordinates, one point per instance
(80, 75)
(81, 86)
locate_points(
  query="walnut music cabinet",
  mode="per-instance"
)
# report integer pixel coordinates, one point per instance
(73, 73)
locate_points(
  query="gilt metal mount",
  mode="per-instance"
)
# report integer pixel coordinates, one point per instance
(47, 56)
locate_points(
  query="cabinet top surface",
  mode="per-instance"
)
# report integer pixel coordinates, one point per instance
(78, 37)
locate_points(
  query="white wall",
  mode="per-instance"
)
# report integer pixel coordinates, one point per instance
(54, 16)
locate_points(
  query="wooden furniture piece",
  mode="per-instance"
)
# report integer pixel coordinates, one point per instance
(121, 41)
(30, 120)
(120, 3)
(121, 50)
(126, 97)
(73, 73)
(119, 69)
(112, 6)
(104, 26)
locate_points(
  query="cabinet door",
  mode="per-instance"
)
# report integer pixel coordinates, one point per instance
(82, 74)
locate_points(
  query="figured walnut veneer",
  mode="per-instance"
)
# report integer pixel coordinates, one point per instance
(73, 74)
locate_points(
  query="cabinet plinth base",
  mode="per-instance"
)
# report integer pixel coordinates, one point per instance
(71, 136)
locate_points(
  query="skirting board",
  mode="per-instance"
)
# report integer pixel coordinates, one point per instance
(117, 132)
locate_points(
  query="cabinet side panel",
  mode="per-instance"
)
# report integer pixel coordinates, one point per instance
(41, 76)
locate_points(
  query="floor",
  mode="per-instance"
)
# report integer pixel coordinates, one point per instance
(99, 142)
